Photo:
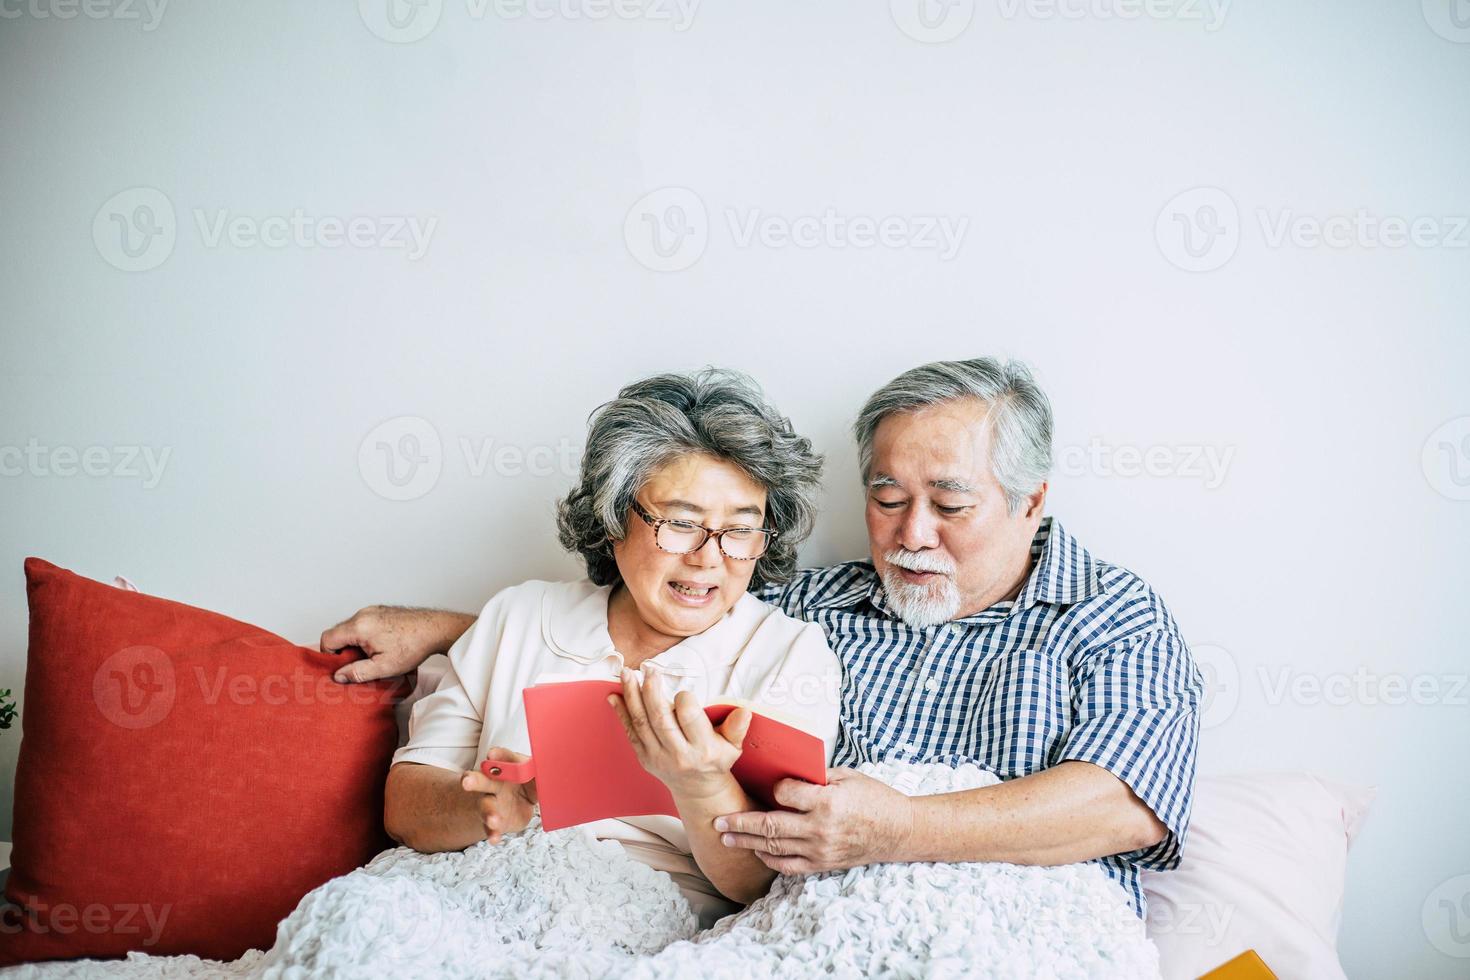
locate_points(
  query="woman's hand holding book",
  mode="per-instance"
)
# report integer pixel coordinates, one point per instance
(505, 808)
(675, 740)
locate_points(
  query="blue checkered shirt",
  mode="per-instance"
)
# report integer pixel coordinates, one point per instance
(1085, 663)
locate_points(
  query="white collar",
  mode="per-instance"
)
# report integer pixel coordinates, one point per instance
(574, 625)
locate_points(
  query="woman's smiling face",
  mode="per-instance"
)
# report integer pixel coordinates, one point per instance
(682, 595)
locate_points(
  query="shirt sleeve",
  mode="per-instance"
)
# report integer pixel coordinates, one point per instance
(444, 727)
(1137, 708)
(787, 596)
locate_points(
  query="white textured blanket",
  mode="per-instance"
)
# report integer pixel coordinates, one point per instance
(563, 904)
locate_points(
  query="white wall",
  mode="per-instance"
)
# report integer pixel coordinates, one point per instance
(1323, 547)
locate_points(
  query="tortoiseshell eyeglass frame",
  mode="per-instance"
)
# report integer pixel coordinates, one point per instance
(718, 533)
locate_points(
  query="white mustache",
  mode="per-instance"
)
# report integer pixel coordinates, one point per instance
(918, 561)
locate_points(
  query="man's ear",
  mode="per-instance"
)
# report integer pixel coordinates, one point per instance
(1035, 501)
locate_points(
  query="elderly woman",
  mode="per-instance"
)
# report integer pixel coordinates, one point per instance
(693, 492)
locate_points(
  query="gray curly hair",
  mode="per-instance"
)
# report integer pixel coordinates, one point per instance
(711, 412)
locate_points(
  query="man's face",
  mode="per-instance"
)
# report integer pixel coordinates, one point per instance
(939, 529)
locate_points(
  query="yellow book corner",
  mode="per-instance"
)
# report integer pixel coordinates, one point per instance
(1246, 966)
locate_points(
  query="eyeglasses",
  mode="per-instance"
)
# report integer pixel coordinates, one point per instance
(686, 537)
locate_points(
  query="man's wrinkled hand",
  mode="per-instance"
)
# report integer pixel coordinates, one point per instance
(852, 821)
(396, 640)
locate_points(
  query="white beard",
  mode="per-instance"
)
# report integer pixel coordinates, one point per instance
(921, 605)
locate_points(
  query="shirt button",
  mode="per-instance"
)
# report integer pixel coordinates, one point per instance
(931, 684)
(905, 747)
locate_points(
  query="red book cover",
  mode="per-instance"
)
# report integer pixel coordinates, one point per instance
(585, 770)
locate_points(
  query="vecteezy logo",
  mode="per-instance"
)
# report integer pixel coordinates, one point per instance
(1450, 19)
(402, 458)
(1446, 917)
(1198, 230)
(401, 21)
(932, 21)
(1446, 459)
(1221, 677)
(134, 688)
(667, 230)
(135, 229)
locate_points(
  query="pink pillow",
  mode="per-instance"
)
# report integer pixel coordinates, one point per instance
(1264, 868)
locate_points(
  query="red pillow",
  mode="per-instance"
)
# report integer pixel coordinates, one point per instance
(183, 778)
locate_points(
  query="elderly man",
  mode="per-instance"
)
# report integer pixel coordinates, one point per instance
(977, 631)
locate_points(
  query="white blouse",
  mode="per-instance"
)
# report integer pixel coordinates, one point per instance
(754, 652)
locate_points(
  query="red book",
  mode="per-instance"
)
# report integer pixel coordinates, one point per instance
(586, 770)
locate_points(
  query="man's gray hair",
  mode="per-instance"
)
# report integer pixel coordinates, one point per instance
(713, 412)
(1019, 416)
